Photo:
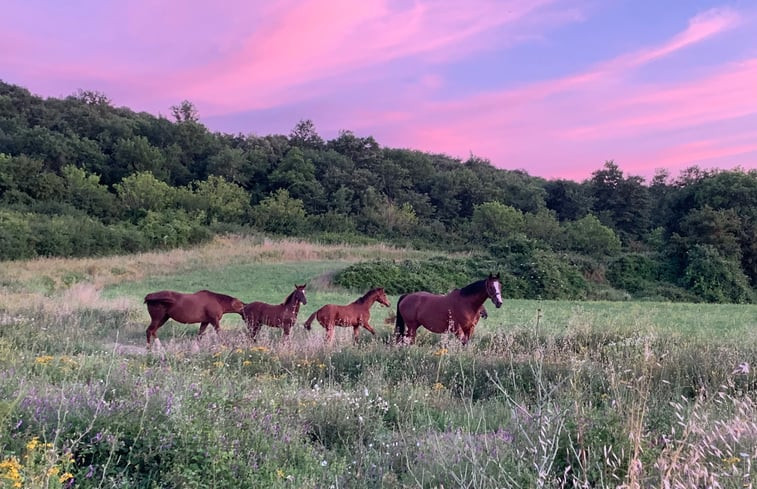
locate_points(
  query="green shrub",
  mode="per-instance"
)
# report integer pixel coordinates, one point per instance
(15, 236)
(438, 275)
(172, 228)
(544, 274)
(633, 272)
(716, 279)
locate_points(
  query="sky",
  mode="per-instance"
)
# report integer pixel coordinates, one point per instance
(551, 87)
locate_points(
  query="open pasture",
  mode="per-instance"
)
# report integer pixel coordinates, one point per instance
(546, 394)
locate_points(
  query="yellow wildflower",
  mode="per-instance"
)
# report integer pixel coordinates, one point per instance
(53, 470)
(246, 363)
(43, 359)
(731, 460)
(218, 364)
(441, 352)
(438, 386)
(32, 444)
(10, 469)
(280, 473)
(65, 477)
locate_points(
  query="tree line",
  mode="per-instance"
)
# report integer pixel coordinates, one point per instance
(80, 177)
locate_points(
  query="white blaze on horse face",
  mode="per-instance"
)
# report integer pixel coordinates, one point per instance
(497, 293)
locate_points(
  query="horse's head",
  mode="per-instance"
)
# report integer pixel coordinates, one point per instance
(494, 290)
(381, 297)
(299, 294)
(237, 306)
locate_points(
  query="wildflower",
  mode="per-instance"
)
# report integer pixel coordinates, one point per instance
(438, 386)
(218, 364)
(32, 444)
(65, 477)
(69, 361)
(43, 360)
(743, 368)
(280, 473)
(53, 470)
(10, 469)
(731, 460)
(324, 463)
(246, 363)
(441, 352)
(261, 349)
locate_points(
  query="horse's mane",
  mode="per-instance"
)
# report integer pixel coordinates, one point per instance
(473, 288)
(290, 297)
(365, 296)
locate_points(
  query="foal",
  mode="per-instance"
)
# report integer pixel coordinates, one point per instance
(352, 315)
(283, 315)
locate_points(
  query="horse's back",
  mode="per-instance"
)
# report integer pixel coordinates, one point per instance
(415, 300)
(427, 309)
(166, 296)
(336, 314)
(258, 310)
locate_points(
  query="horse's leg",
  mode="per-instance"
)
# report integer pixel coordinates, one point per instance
(329, 333)
(203, 327)
(254, 330)
(370, 328)
(461, 335)
(355, 333)
(217, 325)
(468, 334)
(411, 332)
(285, 336)
(152, 329)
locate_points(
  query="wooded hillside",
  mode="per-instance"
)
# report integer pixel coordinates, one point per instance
(80, 177)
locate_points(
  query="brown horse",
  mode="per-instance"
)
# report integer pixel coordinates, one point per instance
(457, 312)
(283, 315)
(204, 307)
(356, 314)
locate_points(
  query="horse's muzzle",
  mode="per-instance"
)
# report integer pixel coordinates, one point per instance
(498, 304)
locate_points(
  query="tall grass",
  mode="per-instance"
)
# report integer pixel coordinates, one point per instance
(547, 394)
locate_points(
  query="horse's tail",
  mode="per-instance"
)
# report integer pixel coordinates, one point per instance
(399, 322)
(164, 297)
(309, 321)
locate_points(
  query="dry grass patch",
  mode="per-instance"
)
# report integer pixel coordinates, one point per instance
(30, 281)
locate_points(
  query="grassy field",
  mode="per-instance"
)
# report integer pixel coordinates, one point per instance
(547, 394)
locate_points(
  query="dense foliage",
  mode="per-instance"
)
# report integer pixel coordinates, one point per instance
(80, 177)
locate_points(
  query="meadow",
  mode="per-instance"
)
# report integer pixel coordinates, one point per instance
(547, 394)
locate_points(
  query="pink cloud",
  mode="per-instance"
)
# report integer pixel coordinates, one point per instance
(276, 63)
(241, 55)
(700, 28)
(736, 147)
(568, 126)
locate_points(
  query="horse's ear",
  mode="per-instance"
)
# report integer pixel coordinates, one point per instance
(497, 275)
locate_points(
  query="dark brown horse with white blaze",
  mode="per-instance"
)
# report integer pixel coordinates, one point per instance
(204, 307)
(457, 312)
(283, 315)
(354, 315)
